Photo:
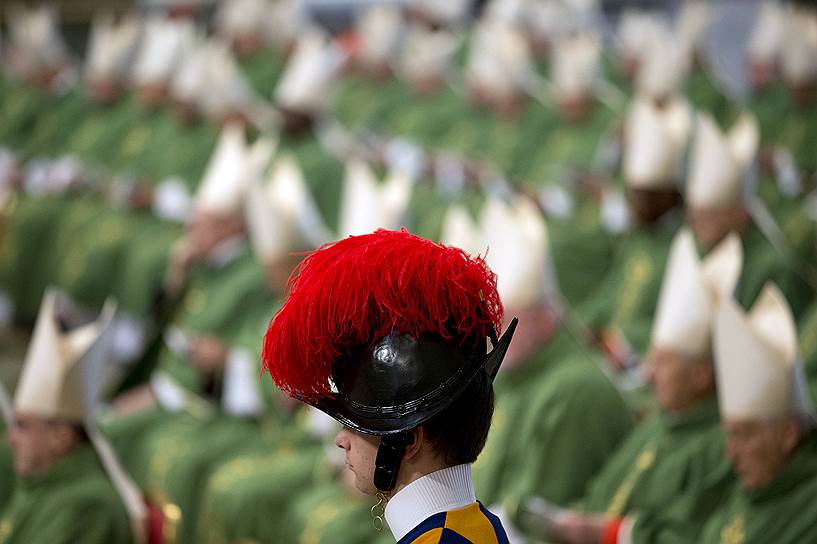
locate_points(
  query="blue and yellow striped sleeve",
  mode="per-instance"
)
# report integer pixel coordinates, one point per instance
(473, 524)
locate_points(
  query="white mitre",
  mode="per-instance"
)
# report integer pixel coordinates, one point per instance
(111, 46)
(52, 384)
(305, 84)
(235, 18)
(223, 184)
(636, 30)
(691, 291)
(755, 357)
(378, 28)
(719, 161)
(799, 48)
(693, 23)
(499, 59)
(427, 53)
(35, 36)
(366, 205)
(282, 216)
(768, 33)
(162, 48)
(189, 83)
(654, 143)
(576, 65)
(664, 65)
(460, 230)
(518, 251)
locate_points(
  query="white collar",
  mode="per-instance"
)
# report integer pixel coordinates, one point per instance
(440, 491)
(226, 252)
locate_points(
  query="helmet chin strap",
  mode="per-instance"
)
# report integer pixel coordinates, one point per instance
(389, 456)
(386, 467)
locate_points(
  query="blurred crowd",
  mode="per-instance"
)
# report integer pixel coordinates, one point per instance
(642, 185)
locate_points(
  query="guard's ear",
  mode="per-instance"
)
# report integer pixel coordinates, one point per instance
(416, 438)
(494, 359)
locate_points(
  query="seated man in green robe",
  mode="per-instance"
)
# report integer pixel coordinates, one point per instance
(662, 481)
(555, 407)
(769, 422)
(718, 202)
(70, 487)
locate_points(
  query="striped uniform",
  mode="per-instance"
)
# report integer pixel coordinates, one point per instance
(473, 524)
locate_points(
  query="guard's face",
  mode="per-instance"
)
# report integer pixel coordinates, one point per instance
(712, 225)
(33, 440)
(361, 452)
(758, 449)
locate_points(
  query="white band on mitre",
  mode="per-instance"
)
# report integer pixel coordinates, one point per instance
(499, 59)
(163, 46)
(664, 65)
(754, 357)
(379, 29)
(235, 18)
(576, 65)
(53, 383)
(276, 212)
(766, 40)
(35, 36)
(112, 46)
(450, 13)
(519, 251)
(189, 83)
(636, 30)
(304, 85)
(799, 53)
(719, 161)
(427, 53)
(691, 291)
(223, 184)
(367, 205)
(654, 143)
(461, 230)
(693, 23)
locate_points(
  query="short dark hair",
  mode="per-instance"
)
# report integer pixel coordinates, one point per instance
(458, 433)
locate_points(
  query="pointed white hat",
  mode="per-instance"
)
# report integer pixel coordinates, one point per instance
(52, 384)
(379, 28)
(284, 22)
(719, 161)
(576, 64)
(223, 184)
(766, 39)
(755, 357)
(799, 53)
(366, 205)
(461, 230)
(112, 45)
(164, 45)
(189, 82)
(691, 291)
(654, 143)
(228, 88)
(307, 78)
(35, 36)
(636, 30)
(499, 58)
(241, 17)
(518, 251)
(665, 63)
(427, 53)
(693, 23)
(278, 213)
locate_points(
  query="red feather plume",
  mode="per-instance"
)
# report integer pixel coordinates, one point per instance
(350, 293)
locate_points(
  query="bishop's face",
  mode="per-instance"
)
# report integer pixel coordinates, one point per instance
(36, 442)
(758, 450)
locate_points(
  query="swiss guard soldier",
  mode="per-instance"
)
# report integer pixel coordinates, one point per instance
(387, 333)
